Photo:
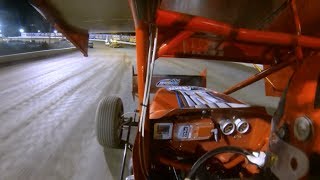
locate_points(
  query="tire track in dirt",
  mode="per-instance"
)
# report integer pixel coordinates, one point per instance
(33, 68)
(58, 140)
(32, 83)
(74, 136)
(22, 98)
(86, 125)
(5, 86)
(39, 101)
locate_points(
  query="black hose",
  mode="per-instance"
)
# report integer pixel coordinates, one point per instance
(220, 150)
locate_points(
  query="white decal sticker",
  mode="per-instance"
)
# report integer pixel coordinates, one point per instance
(184, 132)
(162, 131)
(168, 82)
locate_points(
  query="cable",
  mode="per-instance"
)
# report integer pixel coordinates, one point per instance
(206, 156)
(146, 84)
(149, 80)
(175, 173)
(273, 14)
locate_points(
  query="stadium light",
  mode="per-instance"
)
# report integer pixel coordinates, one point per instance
(55, 31)
(21, 30)
(39, 31)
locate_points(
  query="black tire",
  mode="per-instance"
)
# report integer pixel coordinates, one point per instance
(108, 119)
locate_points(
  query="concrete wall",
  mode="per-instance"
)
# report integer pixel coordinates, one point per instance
(36, 39)
(35, 54)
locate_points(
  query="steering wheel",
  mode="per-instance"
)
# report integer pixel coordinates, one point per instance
(227, 149)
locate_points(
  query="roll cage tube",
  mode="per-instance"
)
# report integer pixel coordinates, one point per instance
(166, 19)
(142, 15)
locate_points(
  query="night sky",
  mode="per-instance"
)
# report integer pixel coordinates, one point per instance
(16, 14)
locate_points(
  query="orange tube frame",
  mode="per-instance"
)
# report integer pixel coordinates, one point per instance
(168, 19)
(199, 24)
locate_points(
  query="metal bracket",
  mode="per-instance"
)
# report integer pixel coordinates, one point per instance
(289, 162)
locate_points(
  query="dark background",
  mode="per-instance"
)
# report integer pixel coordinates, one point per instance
(17, 14)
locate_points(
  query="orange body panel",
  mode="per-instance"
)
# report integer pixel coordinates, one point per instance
(164, 101)
(279, 79)
(164, 109)
(300, 101)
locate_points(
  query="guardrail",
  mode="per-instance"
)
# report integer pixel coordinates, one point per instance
(34, 54)
(33, 37)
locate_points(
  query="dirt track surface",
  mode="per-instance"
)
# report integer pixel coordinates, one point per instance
(47, 114)
(48, 106)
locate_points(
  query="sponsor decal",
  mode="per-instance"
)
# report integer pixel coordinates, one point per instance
(184, 132)
(162, 130)
(168, 82)
(187, 88)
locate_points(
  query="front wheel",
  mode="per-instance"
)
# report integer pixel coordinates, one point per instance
(108, 119)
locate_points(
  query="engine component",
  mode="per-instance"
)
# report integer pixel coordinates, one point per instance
(226, 126)
(242, 126)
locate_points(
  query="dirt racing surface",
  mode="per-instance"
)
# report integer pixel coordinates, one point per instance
(48, 107)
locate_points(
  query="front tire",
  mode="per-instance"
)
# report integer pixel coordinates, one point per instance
(108, 119)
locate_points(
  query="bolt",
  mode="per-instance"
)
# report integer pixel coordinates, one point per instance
(281, 132)
(302, 128)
